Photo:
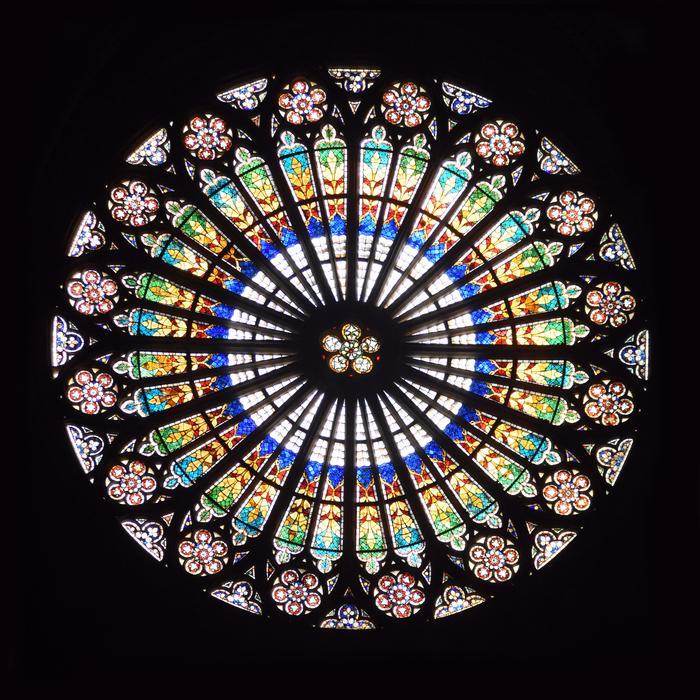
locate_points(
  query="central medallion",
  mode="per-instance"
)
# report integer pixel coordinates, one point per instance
(352, 350)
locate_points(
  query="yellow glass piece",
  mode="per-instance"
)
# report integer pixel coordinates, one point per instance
(362, 365)
(331, 343)
(370, 344)
(338, 363)
(350, 331)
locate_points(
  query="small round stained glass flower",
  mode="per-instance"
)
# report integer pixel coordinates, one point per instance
(567, 492)
(91, 391)
(332, 343)
(351, 332)
(133, 203)
(572, 214)
(499, 142)
(405, 103)
(351, 349)
(610, 304)
(493, 558)
(399, 594)
(362, 364)
(207, 137)
(338, 364)
(90, 292)
(370, 344)
(302, 101)
(202, 554)
(608, 402)
(297, 592)
(130, 482)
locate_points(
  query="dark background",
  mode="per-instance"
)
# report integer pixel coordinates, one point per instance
(88, 603)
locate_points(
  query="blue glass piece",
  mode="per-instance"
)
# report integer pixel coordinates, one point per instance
(364, 476)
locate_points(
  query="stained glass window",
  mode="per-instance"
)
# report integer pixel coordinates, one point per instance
(349, 347)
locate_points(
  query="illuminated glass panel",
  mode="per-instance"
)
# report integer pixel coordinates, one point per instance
(350, 347)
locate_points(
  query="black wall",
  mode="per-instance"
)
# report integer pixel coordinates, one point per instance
(89, 602)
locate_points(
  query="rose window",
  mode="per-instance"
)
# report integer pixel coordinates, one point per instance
(350, 348)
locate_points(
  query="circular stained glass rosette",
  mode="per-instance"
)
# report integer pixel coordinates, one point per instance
(345, 368)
